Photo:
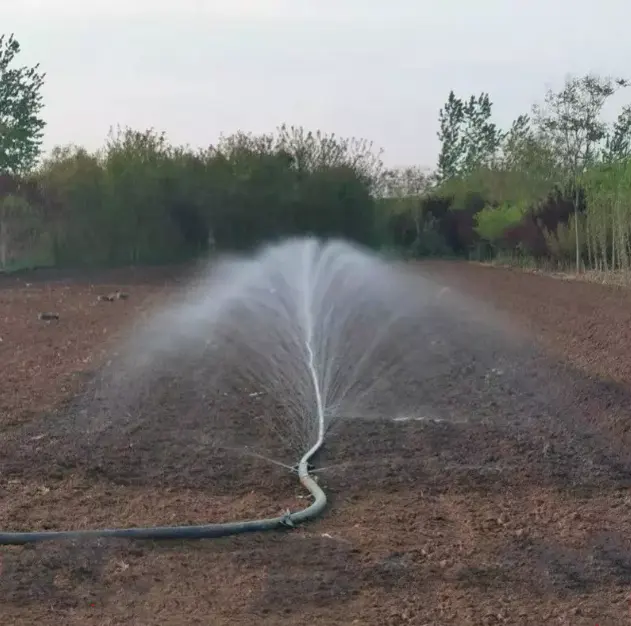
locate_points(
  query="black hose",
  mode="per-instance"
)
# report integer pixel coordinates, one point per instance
(205, 531)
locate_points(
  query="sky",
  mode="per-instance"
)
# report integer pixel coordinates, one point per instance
(373, 69)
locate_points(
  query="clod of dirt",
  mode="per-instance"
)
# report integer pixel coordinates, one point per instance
(47, 316)
(110, 297)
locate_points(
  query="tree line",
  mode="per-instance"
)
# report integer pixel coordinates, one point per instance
(552, 188)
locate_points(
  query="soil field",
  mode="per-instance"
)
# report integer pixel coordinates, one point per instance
(503, 500)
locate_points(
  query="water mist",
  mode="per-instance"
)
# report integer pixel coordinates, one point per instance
(319, 326)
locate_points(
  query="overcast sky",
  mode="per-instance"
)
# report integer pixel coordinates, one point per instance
(378, 69)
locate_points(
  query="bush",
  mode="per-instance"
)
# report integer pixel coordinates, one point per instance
(492, 222)
(142, 200)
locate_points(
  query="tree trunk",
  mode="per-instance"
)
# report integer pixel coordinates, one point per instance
(417, 224)
(589, 240)
(4, 243)
(576, 237)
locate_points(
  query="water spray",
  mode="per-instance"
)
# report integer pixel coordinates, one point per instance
(335, 301)
(208, 531)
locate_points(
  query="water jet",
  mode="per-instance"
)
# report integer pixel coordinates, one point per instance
(303, 320)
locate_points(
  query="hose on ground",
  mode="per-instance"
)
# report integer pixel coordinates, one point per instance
(205, 531)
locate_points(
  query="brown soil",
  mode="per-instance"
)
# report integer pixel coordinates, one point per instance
(507, 504)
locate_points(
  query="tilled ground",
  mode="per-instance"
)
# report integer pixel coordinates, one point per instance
(503, 499)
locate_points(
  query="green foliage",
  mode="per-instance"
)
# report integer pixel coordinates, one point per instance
(570, 119)
(492, 222)
(18, 228)
(562, 242)
(430, 243)
(142, 200)
(529, 164)
(21, 127)
(553, 185)
(73, 182)
(469, 139)
(608, 218)
(452, 148)
(618, 140)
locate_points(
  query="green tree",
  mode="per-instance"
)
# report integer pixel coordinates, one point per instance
(618, 140)
(78, 226)
(311, 151)
(294, 182)
(452, 143)
(482, 137)
(570, 120)
(517, 142)
(528, 166)
(403, 190)
(13, 210)
(492, 222)
(21, 127)
(469, 139)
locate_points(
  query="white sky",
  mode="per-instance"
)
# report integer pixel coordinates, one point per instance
(370, 68)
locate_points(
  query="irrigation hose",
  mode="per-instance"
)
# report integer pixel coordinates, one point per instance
(204, 531)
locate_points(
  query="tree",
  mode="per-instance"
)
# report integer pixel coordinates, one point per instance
(403, 188)
(517, 142)
(482, 137)
(451, 118)
(469, 139)
(528, 163)
(71, 182)
(570, 120)
(21, 131)
(311, 151)
(618, 141)
(405, 181)
(21, 127)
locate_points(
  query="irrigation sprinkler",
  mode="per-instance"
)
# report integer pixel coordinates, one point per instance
(303, 320)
